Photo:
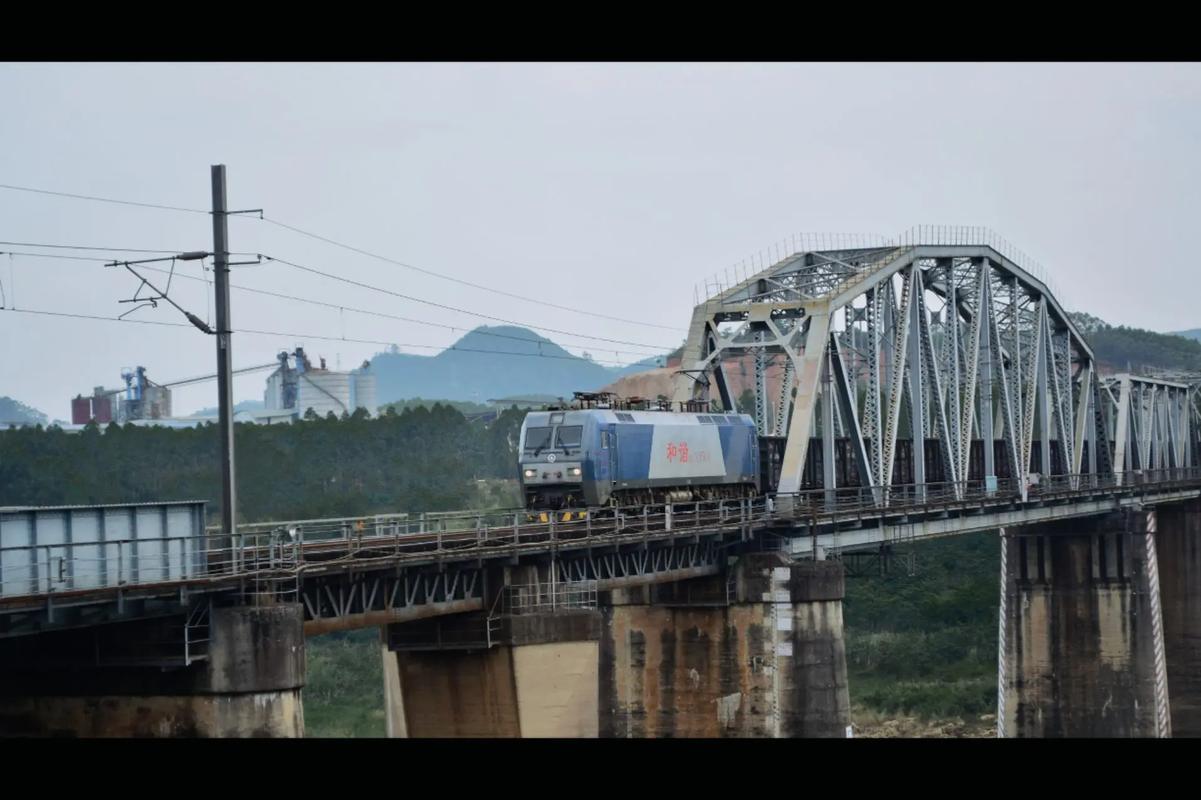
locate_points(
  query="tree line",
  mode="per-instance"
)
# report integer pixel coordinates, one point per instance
(420, 459)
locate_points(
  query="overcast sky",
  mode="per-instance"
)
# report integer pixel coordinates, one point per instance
(608, 187)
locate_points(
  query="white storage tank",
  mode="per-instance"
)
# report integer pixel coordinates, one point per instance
(364, 391)
(323, 392)
(273, 396)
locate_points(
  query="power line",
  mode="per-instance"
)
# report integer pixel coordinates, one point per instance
(293, 335)
(45, 313)
(81, 247)
(93, 259)
(456, 309)
(351, 248)
(653, 348)
(340, 307)
(459, 280)
(568, 357)
(197, 379)
(385, 315)
(104, 249)
(102, 199)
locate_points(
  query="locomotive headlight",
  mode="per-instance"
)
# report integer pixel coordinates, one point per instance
(573, 472)
(529, 473)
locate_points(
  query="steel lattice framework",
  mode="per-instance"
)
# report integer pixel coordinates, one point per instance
(937, 337)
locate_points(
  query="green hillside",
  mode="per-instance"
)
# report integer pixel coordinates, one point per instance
(1135, 349)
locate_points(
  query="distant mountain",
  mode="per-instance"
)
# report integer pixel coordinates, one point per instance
(14, 412)
(245, 405)
(493, 362)
(1119, 348)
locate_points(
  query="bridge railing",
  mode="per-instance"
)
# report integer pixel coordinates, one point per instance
(917, 236)
(545, 597)
(900, 497)
(260, 554)
(376, 525)
(969, 235)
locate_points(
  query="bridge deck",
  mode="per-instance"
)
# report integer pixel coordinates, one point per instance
(329, 553)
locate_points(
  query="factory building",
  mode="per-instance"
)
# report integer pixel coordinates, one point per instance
(299, 386)
(293, 388)
(98, 407)
(141, 399)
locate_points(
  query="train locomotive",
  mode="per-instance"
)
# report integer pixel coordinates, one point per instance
(596, 457)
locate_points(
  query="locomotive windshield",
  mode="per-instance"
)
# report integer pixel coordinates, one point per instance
(537, 439)
(568, 436)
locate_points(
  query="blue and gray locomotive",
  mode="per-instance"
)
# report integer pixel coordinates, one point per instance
(585, 458)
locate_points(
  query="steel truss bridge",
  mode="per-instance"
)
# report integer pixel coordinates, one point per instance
(941, 343)
(939, 338)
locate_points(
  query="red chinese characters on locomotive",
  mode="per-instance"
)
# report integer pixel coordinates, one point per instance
(679, 451)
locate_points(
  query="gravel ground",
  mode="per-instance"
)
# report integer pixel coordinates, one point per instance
(873, 725)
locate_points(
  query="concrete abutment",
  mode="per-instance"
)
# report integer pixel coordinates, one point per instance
(94, 682)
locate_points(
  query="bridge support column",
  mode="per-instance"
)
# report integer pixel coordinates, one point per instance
(1081, 637)
(104, 682)
(758, 652)
(1178, 543)
(537, 679)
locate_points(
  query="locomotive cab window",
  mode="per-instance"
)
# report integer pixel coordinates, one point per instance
(537, 438)
(604, 440)
(568, 436)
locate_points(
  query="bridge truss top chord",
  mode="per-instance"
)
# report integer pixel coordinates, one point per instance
(938, 344)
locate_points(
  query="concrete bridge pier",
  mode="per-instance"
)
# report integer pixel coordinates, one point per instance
(538, 679)
(755, 652)
(525, 667)
(125, 679)
(1082, 647)
(1178, 543)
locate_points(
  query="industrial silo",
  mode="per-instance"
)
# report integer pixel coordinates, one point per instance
(323, 391)
(364, 390)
